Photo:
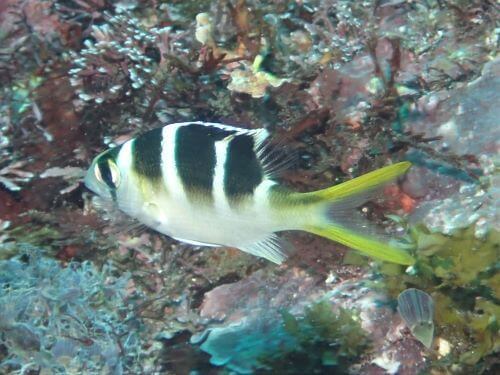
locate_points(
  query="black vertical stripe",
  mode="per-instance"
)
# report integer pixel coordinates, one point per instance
(146, 154)
(104, 169)
(242, 171)
(195, 155)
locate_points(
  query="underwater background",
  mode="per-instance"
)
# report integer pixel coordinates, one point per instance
(348, 86)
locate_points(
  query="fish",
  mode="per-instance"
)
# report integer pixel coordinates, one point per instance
(210, 184)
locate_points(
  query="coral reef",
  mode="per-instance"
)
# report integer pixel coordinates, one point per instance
(346, 86)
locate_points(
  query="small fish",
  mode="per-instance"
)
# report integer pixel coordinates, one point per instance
(417, 310)
(213, 185)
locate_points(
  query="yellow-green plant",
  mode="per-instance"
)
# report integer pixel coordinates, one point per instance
(460, 272)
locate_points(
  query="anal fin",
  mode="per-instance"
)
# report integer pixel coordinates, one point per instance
(271, 248)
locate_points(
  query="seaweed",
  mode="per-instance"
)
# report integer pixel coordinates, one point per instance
(460, 272)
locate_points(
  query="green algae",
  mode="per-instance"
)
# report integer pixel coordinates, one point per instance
(460, 272)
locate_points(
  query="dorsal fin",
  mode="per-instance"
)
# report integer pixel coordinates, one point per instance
(275, 159)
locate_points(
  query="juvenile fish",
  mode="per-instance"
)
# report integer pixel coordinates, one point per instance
(212, 184)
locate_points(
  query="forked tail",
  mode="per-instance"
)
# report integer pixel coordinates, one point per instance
(338, 219)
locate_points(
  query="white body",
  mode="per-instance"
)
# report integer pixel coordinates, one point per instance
(169, 211)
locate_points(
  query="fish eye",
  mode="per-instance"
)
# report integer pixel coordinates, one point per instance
(98, 174)
(106, 172)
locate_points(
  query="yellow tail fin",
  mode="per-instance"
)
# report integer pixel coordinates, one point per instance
(374, 248)
(363, 183)
(339, 219)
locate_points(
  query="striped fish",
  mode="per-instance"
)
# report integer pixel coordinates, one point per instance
(212, 184)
